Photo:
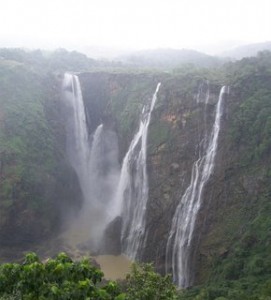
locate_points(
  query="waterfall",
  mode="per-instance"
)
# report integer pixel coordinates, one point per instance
(76, 128)
(203, 94)
(132, 193)
(183, 223)
(95, 161)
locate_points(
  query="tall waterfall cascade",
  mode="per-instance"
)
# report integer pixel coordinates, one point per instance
(95, 161)
(132, 192)
(183, 222)
(203, 94)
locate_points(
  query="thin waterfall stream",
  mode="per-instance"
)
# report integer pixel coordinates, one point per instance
(183, 223)
(132, 192)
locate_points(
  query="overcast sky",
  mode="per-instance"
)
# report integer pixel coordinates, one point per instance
(133, 24)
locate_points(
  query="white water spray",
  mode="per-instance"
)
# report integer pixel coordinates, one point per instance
(132, 193)
(203, 94)
(183, 223)
(95, 161)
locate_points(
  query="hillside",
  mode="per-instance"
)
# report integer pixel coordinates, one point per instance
(246, 50)
(170, 58)
(36, 182)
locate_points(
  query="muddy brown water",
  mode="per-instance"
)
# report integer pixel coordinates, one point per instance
(114, 266)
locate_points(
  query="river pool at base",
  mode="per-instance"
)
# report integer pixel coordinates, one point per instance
(114, 267)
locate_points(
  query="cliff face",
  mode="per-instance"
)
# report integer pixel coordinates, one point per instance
(232, 224)
(180, 123)
(232, 234)
(232, 231)
(180, 120)
(116, 99)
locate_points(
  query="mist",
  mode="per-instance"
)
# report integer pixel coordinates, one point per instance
(210, 26)
(94, 157)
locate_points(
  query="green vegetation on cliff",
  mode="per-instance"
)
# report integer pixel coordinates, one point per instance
(60, 60)
(32, 151)
(238, 243)
(27, 153)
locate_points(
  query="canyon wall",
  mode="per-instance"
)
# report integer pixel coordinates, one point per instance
(232, 223)
(39, 188)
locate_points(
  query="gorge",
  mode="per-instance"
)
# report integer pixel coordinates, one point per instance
(171, 168)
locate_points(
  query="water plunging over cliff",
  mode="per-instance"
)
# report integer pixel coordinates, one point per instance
(132, 193)
(183, 223)
(203, 94)
(95, 160)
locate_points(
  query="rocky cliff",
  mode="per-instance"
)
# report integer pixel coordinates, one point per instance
(231, 240)
(232, 224)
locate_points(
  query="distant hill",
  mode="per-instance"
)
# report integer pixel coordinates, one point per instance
(246, 50)
(102, 52)
(170, 58)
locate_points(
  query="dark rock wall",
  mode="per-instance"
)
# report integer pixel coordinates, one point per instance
(233, 196)
(116, 99)
(177, 129)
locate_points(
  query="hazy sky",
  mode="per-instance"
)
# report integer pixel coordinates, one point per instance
(133, 24)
